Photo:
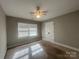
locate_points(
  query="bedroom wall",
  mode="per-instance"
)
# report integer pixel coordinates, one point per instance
(66, 29)
(3, 45)
(12, 32)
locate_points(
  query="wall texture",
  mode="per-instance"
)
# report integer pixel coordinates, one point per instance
(12, 32)
(66, 29)
(2, 34)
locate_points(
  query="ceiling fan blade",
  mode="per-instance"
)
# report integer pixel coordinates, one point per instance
(31, 12)
(44, 14)
(44, 11)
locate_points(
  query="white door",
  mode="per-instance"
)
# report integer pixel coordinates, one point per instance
(48, 31)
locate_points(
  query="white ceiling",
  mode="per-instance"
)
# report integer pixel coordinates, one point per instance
(21, 8)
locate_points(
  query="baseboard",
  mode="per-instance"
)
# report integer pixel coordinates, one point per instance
(5, 53)
(67, 46)
(73, 48)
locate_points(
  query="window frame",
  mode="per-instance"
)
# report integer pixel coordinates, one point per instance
(28, 29)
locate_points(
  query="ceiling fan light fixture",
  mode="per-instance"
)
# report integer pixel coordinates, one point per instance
(38, 12)
(38, 16)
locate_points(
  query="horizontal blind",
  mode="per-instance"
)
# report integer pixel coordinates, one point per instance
(27, 30)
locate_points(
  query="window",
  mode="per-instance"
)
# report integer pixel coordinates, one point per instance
(27, 30)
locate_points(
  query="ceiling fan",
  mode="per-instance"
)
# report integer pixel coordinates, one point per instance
(38, 12)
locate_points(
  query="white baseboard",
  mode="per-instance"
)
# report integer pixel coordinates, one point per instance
(67, 46)
(73, 48)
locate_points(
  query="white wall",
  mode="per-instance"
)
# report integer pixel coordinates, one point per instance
(2, 34)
